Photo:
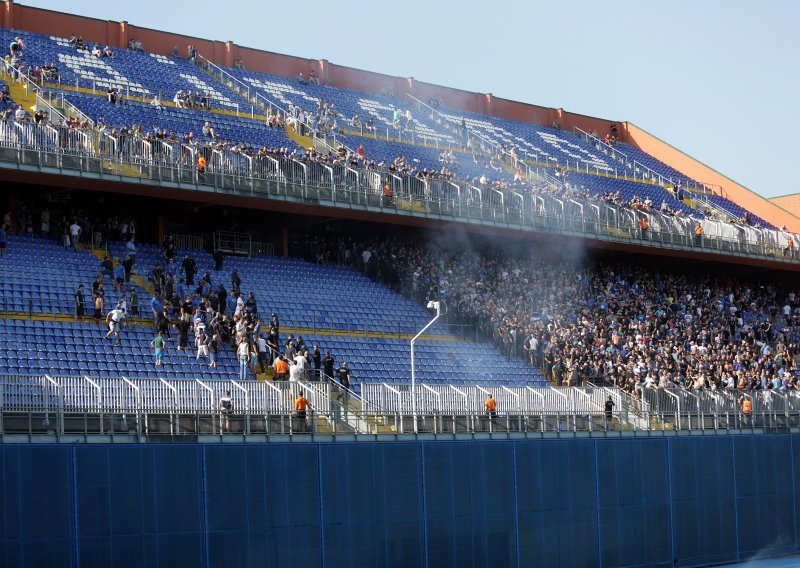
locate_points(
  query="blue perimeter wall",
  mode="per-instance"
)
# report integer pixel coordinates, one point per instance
(578, 502)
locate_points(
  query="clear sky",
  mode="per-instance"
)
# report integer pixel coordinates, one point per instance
(718, 79)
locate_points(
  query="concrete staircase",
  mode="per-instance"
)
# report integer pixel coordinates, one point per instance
(21, 95)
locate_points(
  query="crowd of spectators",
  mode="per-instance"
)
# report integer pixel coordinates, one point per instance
(199, 314)
(622, 324)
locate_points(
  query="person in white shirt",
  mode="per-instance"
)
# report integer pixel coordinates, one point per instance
(301, 363)
(201, 341)
(74, 234)
(156, 102)
(114, 321)
(263, 353)
(295, 373)
(243, 353)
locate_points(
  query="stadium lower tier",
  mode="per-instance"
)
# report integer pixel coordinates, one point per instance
(77, 349)
(660, 501)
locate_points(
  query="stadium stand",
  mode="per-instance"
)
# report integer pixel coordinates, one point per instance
(144, 75)
(354, 314)
(406, 141)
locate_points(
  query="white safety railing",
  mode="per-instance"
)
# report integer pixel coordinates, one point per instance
(275, 176)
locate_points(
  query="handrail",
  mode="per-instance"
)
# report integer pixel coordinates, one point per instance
(539, 209)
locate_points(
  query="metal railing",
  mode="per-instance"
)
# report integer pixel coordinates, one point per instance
(233, 243)
(62, 406)
(532, 208)
(194, 242)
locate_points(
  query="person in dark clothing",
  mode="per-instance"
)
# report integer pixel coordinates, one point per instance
(162, 323)
(316, 357)
(80, 302)
(272, 346)
(344, 380)
(183, 326)
(127, 265)
(236, 281)
(609, 408)
(189, 269)
(222, 295)
(108, 267)
(328, 364)
(250, 305)
(169, 249)
(219, 259)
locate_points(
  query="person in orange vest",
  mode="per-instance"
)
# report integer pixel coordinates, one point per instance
(698, 232)
(491, 407)
(643, 225)
(201, 165)
(281, 369)
(747, 409)
(300, 406)
(789, 250)
(388, 195)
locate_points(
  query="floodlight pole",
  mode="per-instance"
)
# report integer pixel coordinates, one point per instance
(436, 306)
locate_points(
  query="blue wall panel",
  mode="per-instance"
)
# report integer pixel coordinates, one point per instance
(581, 502)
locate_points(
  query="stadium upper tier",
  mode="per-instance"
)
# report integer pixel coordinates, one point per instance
(480, 145)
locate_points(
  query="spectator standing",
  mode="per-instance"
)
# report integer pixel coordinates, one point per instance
(159, 344)
(130, 250)
(74, 234)
(45, 222)
(491, 407)
(281, 369)
(99, 303)
(328, 364)
(263, 351)
(156, 307)
(127, 266)
(134, 303)
(344, 380)
(226, 409)
(213, 351)
(316, 357)
(201, 342)
(219, 259)
(182, 326)
(609, 410)
(243, 353)
(80, 302)
(189, 269)
(114, 320)
(747, 410)
(300, 406)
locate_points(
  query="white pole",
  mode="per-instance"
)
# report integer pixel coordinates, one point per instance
(436, 306)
